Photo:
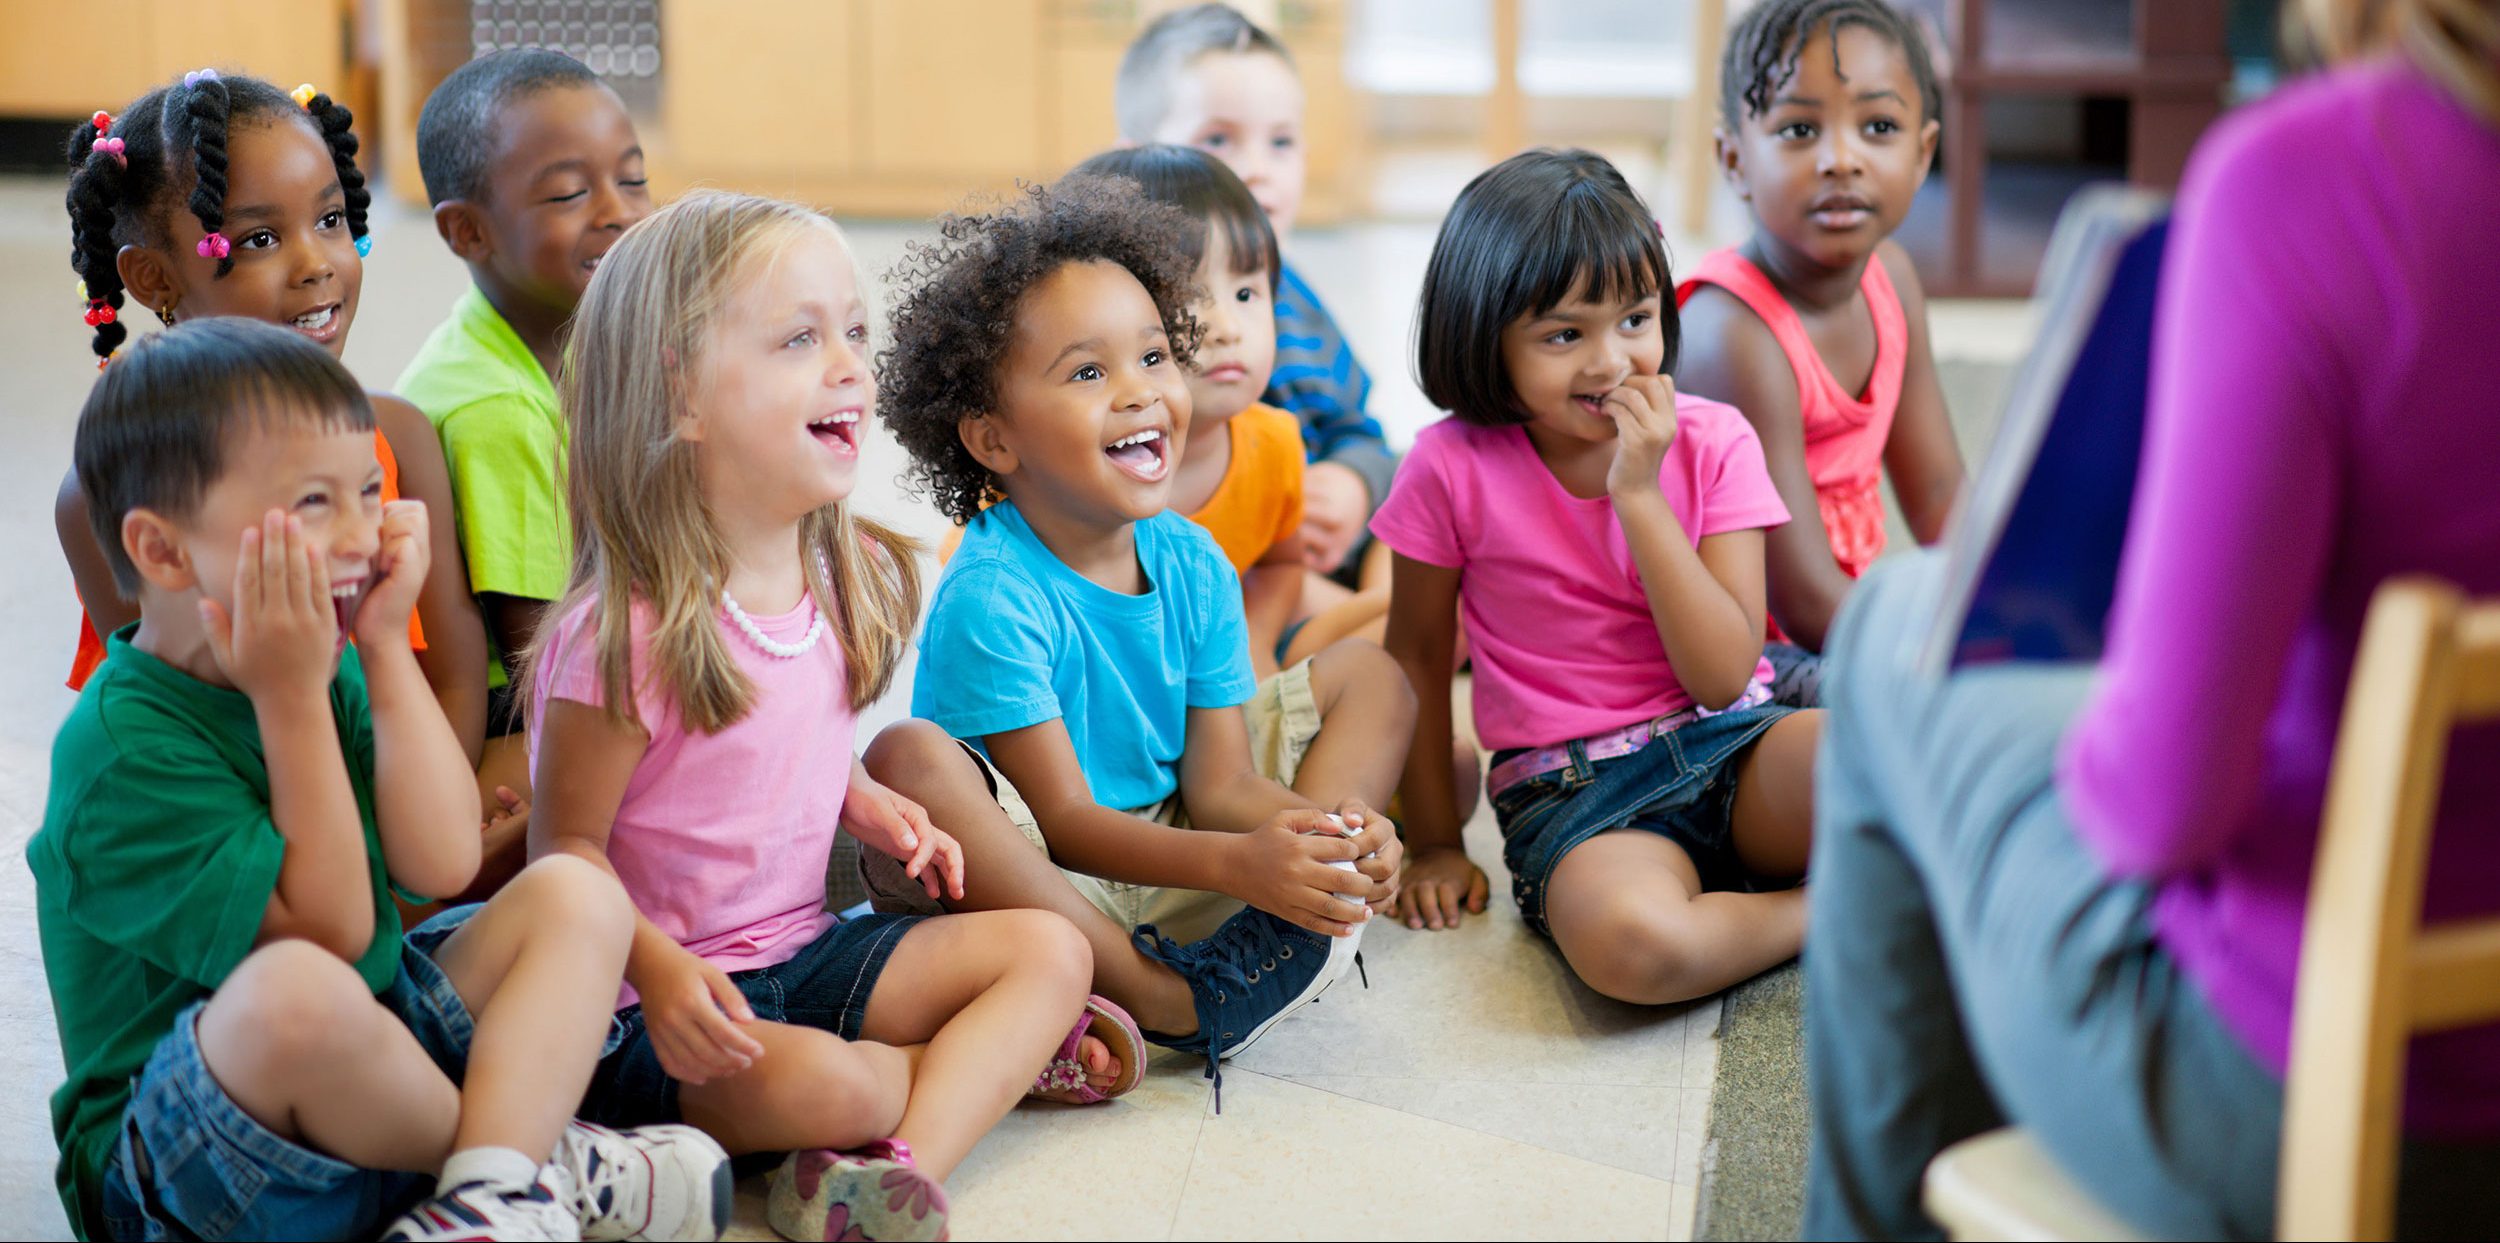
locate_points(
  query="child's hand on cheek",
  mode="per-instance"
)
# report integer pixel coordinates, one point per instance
(398, 574)
(281, 638)
(1644, 410)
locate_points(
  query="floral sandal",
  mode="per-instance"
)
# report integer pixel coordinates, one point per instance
(1064, 1080)
(873, 1192)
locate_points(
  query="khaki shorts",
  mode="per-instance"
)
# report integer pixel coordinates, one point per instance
(1283, 720)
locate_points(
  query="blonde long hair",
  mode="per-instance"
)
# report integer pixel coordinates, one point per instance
(641, 529)
(2457, 42)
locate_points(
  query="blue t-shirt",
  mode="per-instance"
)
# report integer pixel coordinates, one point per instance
(1016, 638)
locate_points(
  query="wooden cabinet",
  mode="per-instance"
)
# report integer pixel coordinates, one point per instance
(881, 107)
(68, 60)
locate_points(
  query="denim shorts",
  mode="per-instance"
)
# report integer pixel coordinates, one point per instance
(1681, 787)
(825, 987)
(190, 1164)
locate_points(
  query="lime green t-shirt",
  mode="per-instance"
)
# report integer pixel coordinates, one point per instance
(504, 440)
(156, 861)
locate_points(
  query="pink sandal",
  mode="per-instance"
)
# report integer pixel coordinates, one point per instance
(1064, 1081)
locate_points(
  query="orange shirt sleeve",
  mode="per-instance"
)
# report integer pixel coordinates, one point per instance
(390, 492)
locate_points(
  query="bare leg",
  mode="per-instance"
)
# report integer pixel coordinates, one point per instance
(810, 1089)
(1004, 872)
(297, 1040)
(1627, 910)
(992, 993)
(1367, 717)
(538, 968)
(1774, 812)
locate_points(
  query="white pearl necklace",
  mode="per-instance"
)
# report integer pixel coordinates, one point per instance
(770, 645)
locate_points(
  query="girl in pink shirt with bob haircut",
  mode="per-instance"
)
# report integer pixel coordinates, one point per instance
(1600, 537)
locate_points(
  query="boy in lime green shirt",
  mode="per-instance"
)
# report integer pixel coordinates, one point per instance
(534, 169)
(254, 1050)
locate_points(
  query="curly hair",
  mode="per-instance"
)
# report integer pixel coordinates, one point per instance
(174, 146)
(959, 298)
(1761, 53)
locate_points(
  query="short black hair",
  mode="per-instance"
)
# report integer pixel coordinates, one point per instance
(960, 294)
(1204, 187)
(456, 128)
(1521, 237)
(1762, 51)
(158, 425)
(1142, 93)
(173, 141)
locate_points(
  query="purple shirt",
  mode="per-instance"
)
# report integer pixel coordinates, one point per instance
(2323, 416)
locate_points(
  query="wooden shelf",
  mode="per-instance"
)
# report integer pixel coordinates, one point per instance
(2165, 60)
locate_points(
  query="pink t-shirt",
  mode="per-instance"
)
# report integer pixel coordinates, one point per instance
(1556, 619)
(722, 839)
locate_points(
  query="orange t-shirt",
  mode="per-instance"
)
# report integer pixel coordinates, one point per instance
(1258, 504)
(91, 645)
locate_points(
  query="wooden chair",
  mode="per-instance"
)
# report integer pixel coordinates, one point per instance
(2371, 976)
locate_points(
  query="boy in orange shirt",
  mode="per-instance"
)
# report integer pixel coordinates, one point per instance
(1240, 469)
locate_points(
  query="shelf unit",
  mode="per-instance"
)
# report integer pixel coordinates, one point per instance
(2165, 60)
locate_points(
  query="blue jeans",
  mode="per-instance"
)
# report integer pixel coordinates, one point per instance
(190, 1164)
(1971, 963)
(825, 986)
(1681, 786)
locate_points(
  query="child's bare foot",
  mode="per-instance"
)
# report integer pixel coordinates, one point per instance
(1090, 1067)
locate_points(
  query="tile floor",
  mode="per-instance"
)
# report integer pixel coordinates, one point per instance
(1473, 1090)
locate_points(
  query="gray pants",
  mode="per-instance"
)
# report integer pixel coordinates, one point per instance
(1970, 963)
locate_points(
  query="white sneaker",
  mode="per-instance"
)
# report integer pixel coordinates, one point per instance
(652, 1182)
(479, 1211)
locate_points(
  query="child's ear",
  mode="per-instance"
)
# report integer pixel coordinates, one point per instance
(1927, 135)
(985, 439)
(153, 545)
(462, 227)
(1731, 162)
(147, 277)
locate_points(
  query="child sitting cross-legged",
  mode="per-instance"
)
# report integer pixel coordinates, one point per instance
(693, 699)
(254, 1049)
(1088, 644)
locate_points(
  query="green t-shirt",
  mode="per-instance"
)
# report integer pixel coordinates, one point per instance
(503, 440)
(156, 861)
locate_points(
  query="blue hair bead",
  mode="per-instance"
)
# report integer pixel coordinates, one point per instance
(364, 246)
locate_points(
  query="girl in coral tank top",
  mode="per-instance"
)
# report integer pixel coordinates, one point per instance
(1815, 327)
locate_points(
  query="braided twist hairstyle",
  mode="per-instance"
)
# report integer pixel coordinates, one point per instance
(1762, 50)
(173, 144)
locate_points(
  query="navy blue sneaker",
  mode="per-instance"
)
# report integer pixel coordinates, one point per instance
(1252, 972)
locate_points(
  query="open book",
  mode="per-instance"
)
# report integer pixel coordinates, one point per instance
(2033, 554)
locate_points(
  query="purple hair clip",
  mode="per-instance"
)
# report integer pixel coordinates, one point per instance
(115, 148)
(197, 76)
(215, 246)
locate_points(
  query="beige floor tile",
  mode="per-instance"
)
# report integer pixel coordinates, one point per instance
(1692, 1130)
(1637, 1129)
(1264, 1170)
(1683, 1202)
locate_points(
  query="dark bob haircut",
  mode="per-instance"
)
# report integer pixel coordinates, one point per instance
(159, 426)
(1202, 186)
(1524, 235)
(960, 296)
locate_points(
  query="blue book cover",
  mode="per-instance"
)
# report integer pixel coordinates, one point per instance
(2034, 553)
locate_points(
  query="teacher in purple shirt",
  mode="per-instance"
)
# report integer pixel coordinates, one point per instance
(2071, 898)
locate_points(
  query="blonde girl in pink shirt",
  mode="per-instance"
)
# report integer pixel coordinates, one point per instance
(1600, 537)
(692, 708)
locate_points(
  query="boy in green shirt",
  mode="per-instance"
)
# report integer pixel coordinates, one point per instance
(534, 169)
(254, 1050)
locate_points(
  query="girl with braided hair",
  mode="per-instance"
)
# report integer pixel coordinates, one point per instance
(1816, 326)
(225, 195)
